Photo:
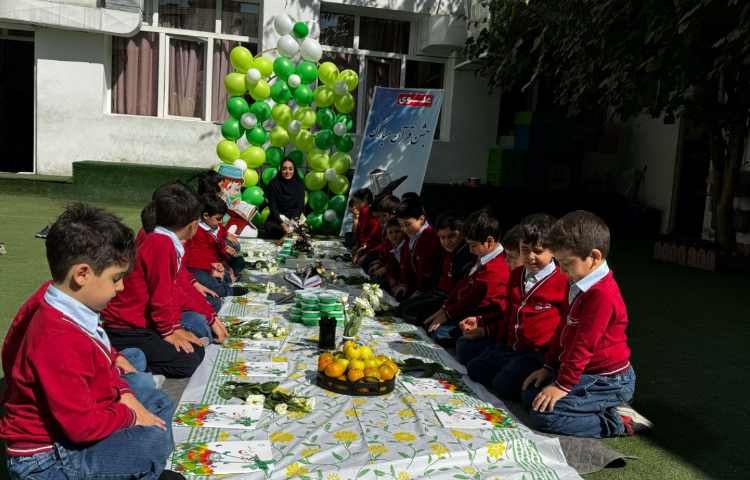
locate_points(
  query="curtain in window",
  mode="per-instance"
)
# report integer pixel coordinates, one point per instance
(135, 73)
(186, 78)
(381, 72)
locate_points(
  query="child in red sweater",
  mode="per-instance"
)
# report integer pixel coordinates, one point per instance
(384, 210)
(587, 378)
(481, 294)
(419, 253)
(512, 245)
(367, 233)
(150, 313)
(387, 269)
(536, 296)
(70, 410)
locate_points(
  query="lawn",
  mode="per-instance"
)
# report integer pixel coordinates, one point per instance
(688, 332)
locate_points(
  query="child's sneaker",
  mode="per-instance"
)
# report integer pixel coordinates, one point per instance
(159, 381)
(633, 421)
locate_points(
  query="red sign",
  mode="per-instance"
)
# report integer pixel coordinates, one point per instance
(414, 100)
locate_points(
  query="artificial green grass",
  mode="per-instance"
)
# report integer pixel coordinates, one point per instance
(688, 331)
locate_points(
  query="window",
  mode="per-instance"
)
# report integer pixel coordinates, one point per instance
(175, 66)
(378, 49)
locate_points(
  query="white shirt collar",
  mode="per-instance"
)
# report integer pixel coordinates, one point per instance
(178, 246)
(397, 251)
(532, 279)
(485, 259)
(413, 240)
(213, 231)
(76, 311)
(585, 284)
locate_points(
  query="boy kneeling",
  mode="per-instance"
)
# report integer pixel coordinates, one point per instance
(67, 409)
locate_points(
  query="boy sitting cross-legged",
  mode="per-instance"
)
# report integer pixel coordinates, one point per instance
(68, 411)
(419, 252)
(536, 295)
(587, 378)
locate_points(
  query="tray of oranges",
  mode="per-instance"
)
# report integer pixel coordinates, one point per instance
(356, 370)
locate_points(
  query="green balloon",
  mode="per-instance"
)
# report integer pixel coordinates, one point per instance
(324, 96)
(349, 77)
(315, 181)
(264, 66)
(341, 162)
(260, 91)
(315, 220)
(237, 106)
(269, 174)
(300, 30)
(297, 157)
(253, 156)
(281, 114)
(328, 73)
(326, 118)
(303, 95)
(345, 103)
(304, 140)
(261, 217)
(307, 72)
(279, 136)
(241, 59)
(319, 161)
(280, 92)
(305, 116)
(228, 151)
(334, 226)
(324, 139)
(346, 120)
(344, 143)
(251, 177)
(274, 156)
(232, 130)
(235, 84)
(257, 136)
(318, 201)
(339, 185)
(283, 67)
(301, 177)
(261, 110)
(337, 203)
(253, 195)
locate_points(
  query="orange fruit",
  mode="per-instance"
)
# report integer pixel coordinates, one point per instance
(386, 372)
(371, 372)
(324, 360)
(392, 365)
(334, 370)
(355, 374)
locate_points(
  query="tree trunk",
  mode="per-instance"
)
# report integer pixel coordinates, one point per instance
(737, 134)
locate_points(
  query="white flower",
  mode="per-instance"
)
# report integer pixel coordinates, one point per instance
(309, 404)
(255, 400)
(257, 336)
(269, 335)
(281, 408)
(369, 312)
(367, 288)
(361, 303)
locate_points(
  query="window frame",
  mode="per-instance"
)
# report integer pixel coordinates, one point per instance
(166, 34)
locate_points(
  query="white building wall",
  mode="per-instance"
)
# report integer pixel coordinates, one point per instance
(73, 122)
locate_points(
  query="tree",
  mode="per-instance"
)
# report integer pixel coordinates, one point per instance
(663, 57)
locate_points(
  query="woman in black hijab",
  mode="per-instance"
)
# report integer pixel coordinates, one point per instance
(285, 196)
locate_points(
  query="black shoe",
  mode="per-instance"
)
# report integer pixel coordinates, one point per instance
(43, 232)
(170, 475)
(239, 291)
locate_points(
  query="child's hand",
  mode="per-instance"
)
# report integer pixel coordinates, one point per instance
(204, 290)
(123, 364)
(546, 399)
(474, 334)
(232, 237)
(143, 418)
(217, 270)
(378, 272)
(232, 275)
(183, 340)
(537, 378)
(231, 251)
(436, 320)
(468, 323)
(399, 291)
(220, 331)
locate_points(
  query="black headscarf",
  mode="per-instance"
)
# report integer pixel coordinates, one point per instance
(285, 197)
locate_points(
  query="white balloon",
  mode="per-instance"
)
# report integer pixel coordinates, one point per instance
(243, 143)
(268, 124)
(311, 50)
(331, 174)
(287, 46)
(253, 76)
(248, 120)
(329, 216)
(240, 163)
(339, 129)
(294, 127)
(294, 81)
(283, 24)
(340, 88)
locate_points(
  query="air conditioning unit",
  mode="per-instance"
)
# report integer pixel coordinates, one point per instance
(441, 34)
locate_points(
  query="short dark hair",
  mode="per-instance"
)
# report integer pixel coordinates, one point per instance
(213, 205)
(176, 205)
(535, 229)
(410, 208)
(580, 232)
(86, 234)
(480, 225)
(148, 217)
(392, 223)
(450, 221)
(208, 183)
(363, 195)
(512, 238)
(387, 204)
(410, 196)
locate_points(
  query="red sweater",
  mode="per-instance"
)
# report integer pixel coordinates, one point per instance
(204, 249)
(368, 233)
(533, 317)
(63, 386)
(592, 340)
(483, 292)
(151, 298)
(418, 264)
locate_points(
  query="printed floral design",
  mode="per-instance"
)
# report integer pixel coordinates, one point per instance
(346, 436)
(351, 412)
(404, 437)
(496, 450)
(296, 470)
(377, 449)
(309, 452)
(406, 413)
(403, 476)
(254, 369)
(439, 449)
(217, 416)
(281, 437)
(218, 458)
(332, 476)
(470, 470)
(195, 460)
(497, 417)
(358, 402)
(459, 435)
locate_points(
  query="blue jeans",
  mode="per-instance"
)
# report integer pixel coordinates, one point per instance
(197, 323)
(130, 453)
(466, 350)
(140, 382)
(223, 287)
(236, 263)
(503, 370)
(589, 409)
